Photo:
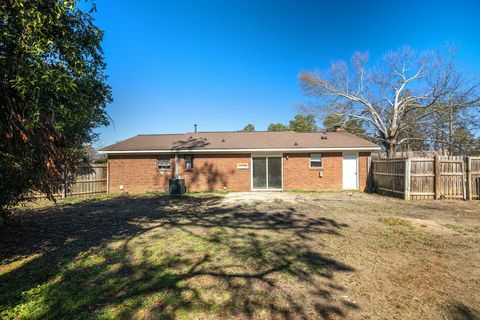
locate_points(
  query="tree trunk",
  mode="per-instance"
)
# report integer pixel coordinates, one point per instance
(450, 133)
(390, 148)
(443, 142)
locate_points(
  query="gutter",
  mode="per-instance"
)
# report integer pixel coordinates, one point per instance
(238, 150)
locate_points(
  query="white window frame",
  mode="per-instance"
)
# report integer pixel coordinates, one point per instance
(185, 162)
(162, 167)
(320, 159)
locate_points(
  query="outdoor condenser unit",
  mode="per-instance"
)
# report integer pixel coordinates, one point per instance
(176, 186)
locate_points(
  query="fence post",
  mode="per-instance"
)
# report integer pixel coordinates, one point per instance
(408, 170)
(469, 178)
(464, 186)
(437, 177)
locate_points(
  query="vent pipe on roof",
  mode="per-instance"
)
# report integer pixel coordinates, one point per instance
(195, 127)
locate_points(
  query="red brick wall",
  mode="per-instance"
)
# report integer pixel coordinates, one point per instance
(363, 170)
(139, 173)
(297, 173)
(214, 172)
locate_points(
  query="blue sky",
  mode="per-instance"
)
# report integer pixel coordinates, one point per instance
(223, 64)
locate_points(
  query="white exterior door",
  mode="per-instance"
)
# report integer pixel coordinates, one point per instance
(350, 170)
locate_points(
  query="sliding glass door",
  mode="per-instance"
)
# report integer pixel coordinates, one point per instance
(274, 173)
(267, 172)
(259, 173)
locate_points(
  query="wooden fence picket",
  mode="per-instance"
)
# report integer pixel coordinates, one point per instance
(89, 180)
(440, 177)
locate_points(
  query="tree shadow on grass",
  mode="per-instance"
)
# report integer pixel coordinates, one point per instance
(168, 257)
(458, 311)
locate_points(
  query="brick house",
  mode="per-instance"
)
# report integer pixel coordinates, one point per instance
(240, 161)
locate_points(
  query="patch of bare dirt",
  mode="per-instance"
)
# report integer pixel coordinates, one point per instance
(265, 255)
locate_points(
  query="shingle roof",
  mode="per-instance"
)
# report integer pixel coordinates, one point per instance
(204, 141)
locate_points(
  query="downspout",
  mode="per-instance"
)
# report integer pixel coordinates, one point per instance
(176, 166)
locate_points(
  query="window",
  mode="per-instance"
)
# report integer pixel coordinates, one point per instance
(315, 160)
(188, 161)
(163, 163)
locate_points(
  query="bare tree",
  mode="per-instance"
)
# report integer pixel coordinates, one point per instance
(398, 94)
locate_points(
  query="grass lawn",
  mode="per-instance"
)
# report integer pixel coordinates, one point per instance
(303, 255)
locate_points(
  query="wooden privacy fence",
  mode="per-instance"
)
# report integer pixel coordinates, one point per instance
(427, 178)
(473, 175)
(89, 180)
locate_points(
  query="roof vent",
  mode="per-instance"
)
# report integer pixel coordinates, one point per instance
(223, 140)
(324, 137)
(296, 144)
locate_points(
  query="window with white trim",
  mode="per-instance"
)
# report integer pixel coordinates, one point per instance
(188, 164)
(316, 160)
(163, 163)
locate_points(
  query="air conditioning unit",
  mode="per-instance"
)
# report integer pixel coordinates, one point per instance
(176, 186)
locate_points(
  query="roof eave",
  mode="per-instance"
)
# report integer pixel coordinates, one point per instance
(237, 150)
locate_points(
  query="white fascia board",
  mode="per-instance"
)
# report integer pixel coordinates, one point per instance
(242, 150)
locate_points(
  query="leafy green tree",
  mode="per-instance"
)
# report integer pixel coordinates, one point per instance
(278, 127)
(454, 127)
(352, 125)
(53, 94)
(332, 121)
(464, 142)
(303, 123)
(249, 128)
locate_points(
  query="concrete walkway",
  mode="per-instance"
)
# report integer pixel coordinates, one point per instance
(259, 196)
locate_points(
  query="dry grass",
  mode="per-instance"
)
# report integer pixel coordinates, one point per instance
(316, 255)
